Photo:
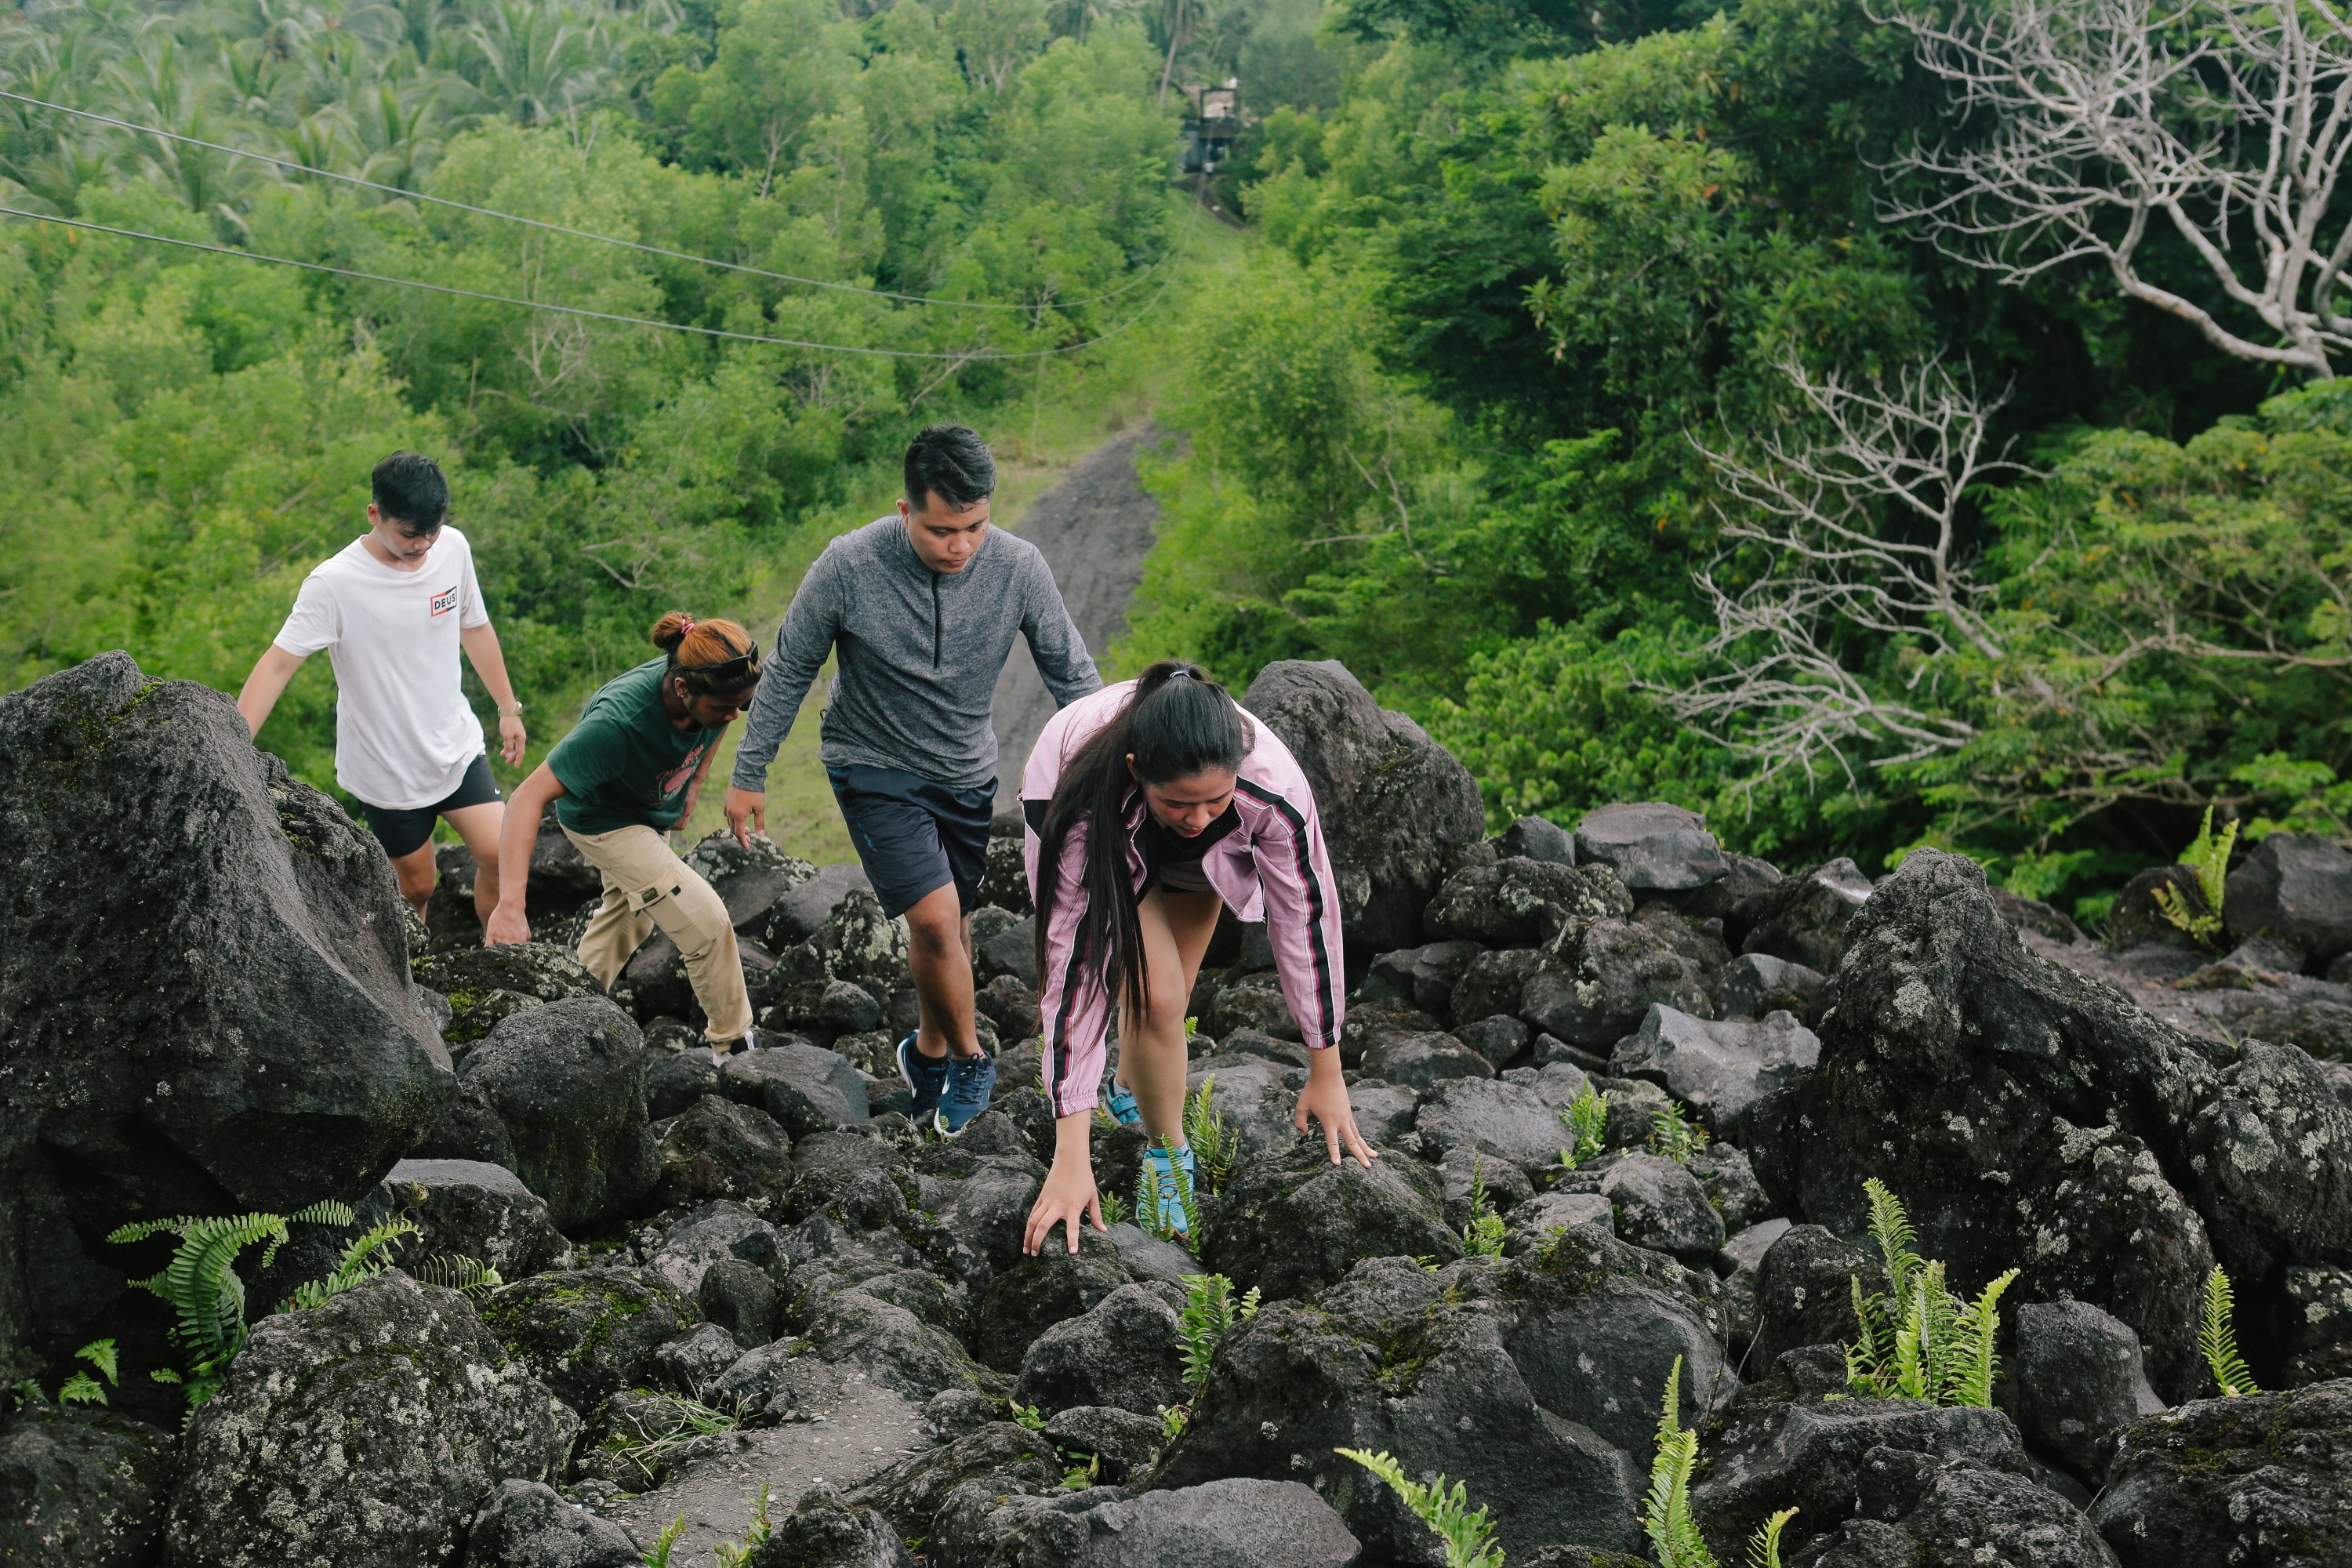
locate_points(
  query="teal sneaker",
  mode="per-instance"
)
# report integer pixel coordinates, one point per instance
(1123, 1109)
(1165, 1183)
(926, 1076)
(971, 1083)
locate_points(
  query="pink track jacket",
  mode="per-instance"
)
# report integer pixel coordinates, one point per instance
(1273, 867)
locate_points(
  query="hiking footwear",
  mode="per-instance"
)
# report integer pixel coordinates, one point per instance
(927, 1076)
(724, 1051)
(1123, 1109)
(972, 1081)
(1164, 1189)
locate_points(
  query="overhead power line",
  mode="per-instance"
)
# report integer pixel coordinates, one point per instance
(974, 356)
(406, 195)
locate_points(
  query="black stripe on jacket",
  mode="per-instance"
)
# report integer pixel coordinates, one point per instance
(1315, 896)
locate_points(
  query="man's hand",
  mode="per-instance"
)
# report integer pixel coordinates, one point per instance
(508, 924)
(511, 739)
(747, 813)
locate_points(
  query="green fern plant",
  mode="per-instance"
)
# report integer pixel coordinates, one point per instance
(368, 1255)
(1482, 1237)
(2218, 1338)
(1146, 1202)
(83, 1389)
(1027, 1416)
(203, 1288)
(1667, 1515)
(1214, 1145)
(1587, 1119)
(1468, 1536)
(739, 1554)
(1114, 1209)
(1211, 1312)
(2208, 857)
(1919, 1341)
(452, 1271)
(1673, 1135)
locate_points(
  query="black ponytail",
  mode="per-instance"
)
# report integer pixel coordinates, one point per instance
(1178, 724)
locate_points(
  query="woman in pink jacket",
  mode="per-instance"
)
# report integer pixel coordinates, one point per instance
(1211, 812)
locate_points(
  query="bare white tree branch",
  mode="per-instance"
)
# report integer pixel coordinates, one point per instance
(2226, 123)
(1858, 515)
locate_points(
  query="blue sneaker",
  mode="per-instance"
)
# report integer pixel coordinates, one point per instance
(1165, 1189)
(926, 1076)
(972, 1081)
(1123, 1109)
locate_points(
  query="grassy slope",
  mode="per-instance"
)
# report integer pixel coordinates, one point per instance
(1076, 409)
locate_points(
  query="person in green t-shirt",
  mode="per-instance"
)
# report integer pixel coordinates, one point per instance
(628, 772)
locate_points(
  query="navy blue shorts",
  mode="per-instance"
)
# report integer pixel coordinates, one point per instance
(404, 831)
(915, 837)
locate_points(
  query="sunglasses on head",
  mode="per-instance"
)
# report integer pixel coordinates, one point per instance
(727, 674)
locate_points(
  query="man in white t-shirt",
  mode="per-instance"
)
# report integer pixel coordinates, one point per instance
(394, 609)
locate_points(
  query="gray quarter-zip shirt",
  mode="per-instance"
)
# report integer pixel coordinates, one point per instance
(921, 652)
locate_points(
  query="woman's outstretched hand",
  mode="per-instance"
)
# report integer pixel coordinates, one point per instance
(1069, 1194)
(1325, 1099)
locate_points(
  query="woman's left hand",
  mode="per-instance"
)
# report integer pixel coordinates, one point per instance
(1325, 1099)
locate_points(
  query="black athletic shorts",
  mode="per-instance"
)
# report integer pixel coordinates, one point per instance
(403, 832)
(915, 837)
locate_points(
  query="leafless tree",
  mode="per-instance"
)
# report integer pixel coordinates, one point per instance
(2227, 122)
(1856, 513)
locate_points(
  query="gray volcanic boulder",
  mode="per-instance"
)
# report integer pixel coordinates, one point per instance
(589, 1332)
(1394, 802)
(1126, 1352)
(1493, 985)
(1736, 897)
(824, 1531)
(1651, 845)
(1519, 902)
(1291, 1221)
(1718, 1068)
(799, 914)
(1804, 919)
(1660, 1205)
(540, 970)
(1384, 1361)
(1053, 1288)
(567, 1081)
(1125, 1442)
(2263, 1479)
(523, 1524)
(205, 999)
(1421, 1061)
(1219, 1524)
(748, 878)
(1423, 975)
(1804, 1290)
(2295, 887)
(805, 1088)
(2015, 1074)
(468, 1209)
(1509, 1123)
(1538, 838)
(1756, 984)
(2078, 1378)
(391, 1393)
(1598, 990)
(717, 1149)
(1967, 1511)
(1813, 1455)
(81, 1486)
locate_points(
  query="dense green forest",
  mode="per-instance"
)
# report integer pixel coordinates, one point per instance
(1655, 402)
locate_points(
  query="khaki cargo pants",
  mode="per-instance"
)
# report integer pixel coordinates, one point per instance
(646, 884)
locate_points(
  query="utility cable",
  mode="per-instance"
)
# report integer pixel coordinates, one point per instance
(974, 356)
(560, 229)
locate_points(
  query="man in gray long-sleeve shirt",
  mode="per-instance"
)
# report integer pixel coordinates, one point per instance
(923, 608)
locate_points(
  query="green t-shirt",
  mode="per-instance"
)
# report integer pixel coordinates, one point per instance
(625, 764)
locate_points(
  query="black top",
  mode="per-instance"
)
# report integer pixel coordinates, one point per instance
(1164, 847)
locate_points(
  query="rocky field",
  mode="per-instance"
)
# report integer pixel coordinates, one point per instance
(1646, 1109)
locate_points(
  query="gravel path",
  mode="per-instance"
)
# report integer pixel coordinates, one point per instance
(863, 1430)
(1094, 527)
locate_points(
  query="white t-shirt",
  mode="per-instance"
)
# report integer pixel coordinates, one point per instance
(404, 731)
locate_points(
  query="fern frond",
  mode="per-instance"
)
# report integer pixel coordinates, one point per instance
(1890, 1226)
(361, 1260)
(453, 1271)
(1764, 1546)
(100, 1355)
(325, 1212)
(1967, 1376)
(1467, 1534)
(1587, 1120)
(2217, 1336)
(1668, 1516)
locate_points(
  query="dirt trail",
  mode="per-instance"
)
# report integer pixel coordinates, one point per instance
(1095, 527)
